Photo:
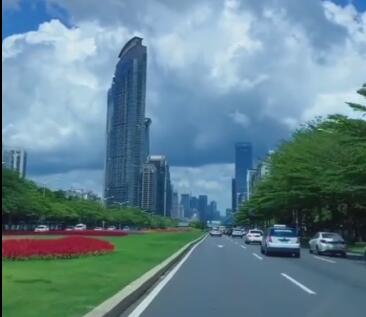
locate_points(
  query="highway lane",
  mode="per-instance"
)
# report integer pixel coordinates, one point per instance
(225, 277)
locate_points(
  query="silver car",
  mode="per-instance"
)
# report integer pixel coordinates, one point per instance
(327, 242)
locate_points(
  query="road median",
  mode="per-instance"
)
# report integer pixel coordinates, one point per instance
(118, 303)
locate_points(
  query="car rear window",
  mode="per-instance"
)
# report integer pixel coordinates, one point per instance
(287, 232)
(255, 231)
(331, 236)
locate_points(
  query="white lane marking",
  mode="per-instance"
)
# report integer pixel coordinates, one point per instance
(303, 287)
(257, 256)
(149, 298)
(242, 246)
(220, 246)
(326, 260)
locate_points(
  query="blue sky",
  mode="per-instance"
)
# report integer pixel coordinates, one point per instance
(219, 72)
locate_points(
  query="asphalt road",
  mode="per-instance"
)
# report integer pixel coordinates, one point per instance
(223, 277)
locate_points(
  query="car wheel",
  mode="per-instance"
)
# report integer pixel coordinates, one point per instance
(297, 255)
(343, 254)
(310, 251)
(318, 251)
(262, 251)
(266, 252)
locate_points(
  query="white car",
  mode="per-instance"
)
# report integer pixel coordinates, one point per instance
(111, 228)
(254, 236)
(215, 233)
(237, 233)
(327, 242)
(80, 226)
(281, 239)
(42, 228)
(98, 229)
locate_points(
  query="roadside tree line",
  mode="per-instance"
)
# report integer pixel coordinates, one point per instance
(317, 179)
(25, 204)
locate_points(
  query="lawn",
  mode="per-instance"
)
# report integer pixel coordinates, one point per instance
(358, 247)
(65, 288)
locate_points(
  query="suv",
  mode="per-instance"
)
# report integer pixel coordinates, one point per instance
(281, 239)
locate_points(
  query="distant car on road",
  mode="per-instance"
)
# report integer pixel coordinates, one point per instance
(69, 228)
(98, 229)
(228, 231)
(281, 239)
(80, 226)
(215, 233)
(42, 228)
(327, 242)
(254, 236)
(237, 233)
(112, 228)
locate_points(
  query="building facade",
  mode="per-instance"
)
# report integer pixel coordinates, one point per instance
(149, 187)
(126, 127)
(243, 162)
(185, 201)
(164, 189)
(15, 159)
(175, 206)
(202, 208)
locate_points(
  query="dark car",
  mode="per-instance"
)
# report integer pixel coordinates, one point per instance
(228, 231)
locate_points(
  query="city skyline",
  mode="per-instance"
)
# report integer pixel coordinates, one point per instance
(201, 98)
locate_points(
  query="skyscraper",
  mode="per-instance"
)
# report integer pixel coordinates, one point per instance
(185, 201)
(15, 159)
(163, 202)
(243, 162)
(175, 206)
(233, 195)
(149, 187)
(202, 207)
(126, 127)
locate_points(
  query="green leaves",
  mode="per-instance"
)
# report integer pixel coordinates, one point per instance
(319, 170)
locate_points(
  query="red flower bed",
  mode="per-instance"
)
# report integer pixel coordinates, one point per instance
(65, 248)
(102, 233)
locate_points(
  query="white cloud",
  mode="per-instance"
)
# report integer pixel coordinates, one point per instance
(218, 72)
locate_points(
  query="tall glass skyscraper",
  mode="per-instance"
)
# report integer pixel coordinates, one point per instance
(126, 126)
(243, 162)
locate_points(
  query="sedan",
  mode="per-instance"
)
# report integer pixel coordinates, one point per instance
(215, 233)
(112, 228)
(237, 233)
(254, 236)
(327, 242)
(42, 228)
(98, 229)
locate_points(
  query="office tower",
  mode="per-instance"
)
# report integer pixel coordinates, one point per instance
(185, 201)
(202, 208)
(243, 162)
(163, 184)
(125, 153)
(15, 159)
(233, 195)
(149, 187)
(175, 206)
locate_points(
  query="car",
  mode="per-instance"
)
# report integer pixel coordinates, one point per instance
(281, 240)
(112, 228)
(215, 233)
(254, 236)
(327, 242)
(228, 231)
(98, 229)
(80, 227)
(237, 233)
(69, 228)
(126, 228)
(42, 228)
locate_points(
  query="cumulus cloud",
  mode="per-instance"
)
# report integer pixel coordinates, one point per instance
(218, 72)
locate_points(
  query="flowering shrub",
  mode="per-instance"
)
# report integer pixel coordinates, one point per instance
(65, 248)
(102, 233)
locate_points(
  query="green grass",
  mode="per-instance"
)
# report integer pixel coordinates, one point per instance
(358, 247)
(63, 288)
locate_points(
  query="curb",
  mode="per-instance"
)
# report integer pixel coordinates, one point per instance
(355, 256)
(118, 303)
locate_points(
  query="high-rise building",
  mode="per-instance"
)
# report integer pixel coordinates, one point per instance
(243, 162)
(233, 195)
(175, 206)
(185, 201)
(126, 150)
(15, 159)
(202, 207)
(163, 184)
(149, 187)
(212, 211)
